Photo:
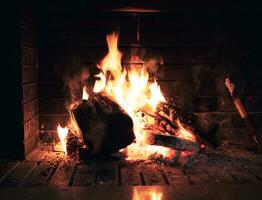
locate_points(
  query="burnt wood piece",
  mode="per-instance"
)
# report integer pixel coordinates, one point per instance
(173, 142)
(254, 135)
(105, 126)
(204, 130)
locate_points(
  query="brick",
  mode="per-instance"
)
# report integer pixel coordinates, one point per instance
(30, 110)
(51, 89)
(107, 21)
(30, 92)
(29, 74)
(31, 143)
(96, 38)
(31, 128)
(29, 55)
(28, 37)
(50, 122)
(52, 106)
(178, 55)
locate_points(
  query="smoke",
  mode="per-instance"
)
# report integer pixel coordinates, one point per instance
(75, 79)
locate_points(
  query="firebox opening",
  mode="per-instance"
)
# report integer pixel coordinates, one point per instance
(184, 56)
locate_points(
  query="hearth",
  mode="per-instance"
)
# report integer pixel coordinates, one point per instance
(132, 93)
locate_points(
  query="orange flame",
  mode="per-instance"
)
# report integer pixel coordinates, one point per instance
(62, 134)
(133, 92)
(185, 133)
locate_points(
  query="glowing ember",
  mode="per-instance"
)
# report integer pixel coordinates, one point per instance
(62, 133)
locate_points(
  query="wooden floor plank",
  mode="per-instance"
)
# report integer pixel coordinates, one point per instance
(44, 170)
(106, 174)
(85, 174)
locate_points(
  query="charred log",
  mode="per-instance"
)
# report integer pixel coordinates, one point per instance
(173, 142)
(105, 126)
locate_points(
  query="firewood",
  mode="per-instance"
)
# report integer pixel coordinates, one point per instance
(204, 130)
(105, 126)
(173, 142)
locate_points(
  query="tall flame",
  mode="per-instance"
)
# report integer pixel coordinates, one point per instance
(62, 134)
(133, 92)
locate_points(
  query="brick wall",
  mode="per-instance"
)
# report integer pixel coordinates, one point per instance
(199, 49)
(29, 59)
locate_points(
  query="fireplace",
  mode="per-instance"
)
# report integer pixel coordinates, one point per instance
(192, 54)
(188, 50)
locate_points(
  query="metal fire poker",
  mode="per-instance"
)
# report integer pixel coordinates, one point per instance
(252, 130)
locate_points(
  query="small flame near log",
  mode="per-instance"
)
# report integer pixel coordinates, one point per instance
(134, 92)
(62, 134)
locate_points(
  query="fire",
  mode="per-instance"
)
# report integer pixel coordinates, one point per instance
(185, 133)
(134, 92)
(62, 134)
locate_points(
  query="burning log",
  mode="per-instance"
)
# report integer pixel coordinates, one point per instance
(171, 118)
(105, 126)
(173, 142)
(254, 136)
